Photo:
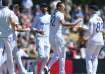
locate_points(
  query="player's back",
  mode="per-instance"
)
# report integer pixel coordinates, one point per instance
(5, 29)
(55, 25)
(96, 27)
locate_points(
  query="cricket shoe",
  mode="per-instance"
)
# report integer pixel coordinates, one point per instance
(47, 70)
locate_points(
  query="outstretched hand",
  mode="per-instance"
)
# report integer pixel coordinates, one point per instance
(21, 29)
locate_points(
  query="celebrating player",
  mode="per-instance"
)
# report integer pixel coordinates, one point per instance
(42, 36)
(94, 39)
(17, 55)
(8, 25)
(56, 37)
(6, 28)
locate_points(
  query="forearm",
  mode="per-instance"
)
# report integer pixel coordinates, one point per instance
(68, 24)
(37, 30)
(21, 29)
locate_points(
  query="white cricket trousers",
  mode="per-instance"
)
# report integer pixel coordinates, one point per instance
(92, 52)
(59, 53)
(3, 58)
(8, 49)
(14, 50)
(16, 55)
(43, 46)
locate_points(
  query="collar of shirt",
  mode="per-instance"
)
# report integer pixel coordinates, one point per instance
(95, 14)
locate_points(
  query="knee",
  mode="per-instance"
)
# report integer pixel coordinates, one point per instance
(18, 55)
(88, 56)
(94, 57)
(62, 59)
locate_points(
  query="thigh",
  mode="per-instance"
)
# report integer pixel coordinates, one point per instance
(8, 48)
(1, 48)
(60, 45)
(89, 50)
(93, 50)
(97, 50)
(2, 52)
(60, 42)
(46, 42)
(12, 41)
(54, 46)
(60, 49)
(46, 46)
(40, 46)
(52, 43)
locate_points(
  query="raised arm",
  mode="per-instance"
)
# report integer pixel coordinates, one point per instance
(15, 23)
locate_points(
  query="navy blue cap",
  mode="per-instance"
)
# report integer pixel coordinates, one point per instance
(44, 5)
(94, 7)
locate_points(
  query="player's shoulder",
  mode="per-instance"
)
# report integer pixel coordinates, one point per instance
(49, 16)
(5, 9)
(95, 18)
(59, 14)
(12, 13)
(98, 18)
(45, 18)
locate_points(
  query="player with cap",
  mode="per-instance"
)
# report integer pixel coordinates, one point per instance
(94, 39)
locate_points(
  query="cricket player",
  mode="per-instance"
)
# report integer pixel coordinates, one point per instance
(42, 36)
(6, 31)
(8, 25)
(16, 50)
(56, 37)
(94, 39)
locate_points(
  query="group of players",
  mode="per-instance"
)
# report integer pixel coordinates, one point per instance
(48, 35)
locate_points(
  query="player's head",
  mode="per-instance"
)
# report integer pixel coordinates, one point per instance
(16, 7)
(44, 7)
(60, 6)
(93, 8)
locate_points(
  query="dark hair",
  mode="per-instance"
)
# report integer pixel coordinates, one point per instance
(15, 6)
(5, 2)
(59, 4)
(43, 5)
(93, 6)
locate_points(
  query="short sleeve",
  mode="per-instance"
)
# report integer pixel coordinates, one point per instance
(61, 16)
(14, 18)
